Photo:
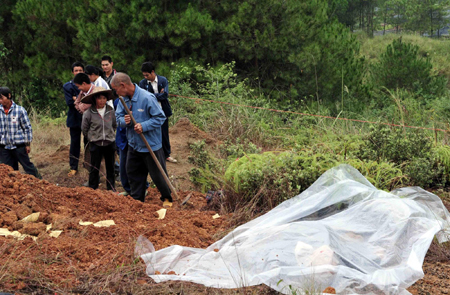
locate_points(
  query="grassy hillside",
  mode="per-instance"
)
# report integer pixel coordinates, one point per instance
(435, 49)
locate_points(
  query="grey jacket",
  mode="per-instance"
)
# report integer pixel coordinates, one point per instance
(98, 130)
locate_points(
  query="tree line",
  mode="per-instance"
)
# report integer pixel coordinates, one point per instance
(421, 16)
(290, 49)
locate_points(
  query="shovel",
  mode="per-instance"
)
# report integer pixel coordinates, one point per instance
(150, 150)
(186, 199)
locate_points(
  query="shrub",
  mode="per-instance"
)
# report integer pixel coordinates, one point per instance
(412, 151)
(442, 154)
(199, 154)
(425, 172)
(395, 145)
(401, 66)
(284, 174)
(383, 175)
(206, 175)
(239, 148)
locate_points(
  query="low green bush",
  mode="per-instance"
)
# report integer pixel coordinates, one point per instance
(410, 150)
(283, 174)
(206, 175)
(199, 155)
(425, 172)
(395, 144)
(287, 174)
(239, 148)
(383, 175)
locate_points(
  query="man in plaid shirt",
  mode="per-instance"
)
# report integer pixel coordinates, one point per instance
(15, 134)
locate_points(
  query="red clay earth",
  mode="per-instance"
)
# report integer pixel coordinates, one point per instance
(61, 263)
(87, 247)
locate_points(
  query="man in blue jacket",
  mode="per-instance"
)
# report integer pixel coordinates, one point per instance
(159, 86)
(149, 118)
(73, 119)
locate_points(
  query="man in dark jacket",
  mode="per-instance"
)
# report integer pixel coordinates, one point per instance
(107, 66)
(159, 86)
(73, 119)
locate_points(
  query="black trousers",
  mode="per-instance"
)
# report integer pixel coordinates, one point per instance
(97, 153)
(139, 165)
(19, 155)
(75, 146)
(165, 138)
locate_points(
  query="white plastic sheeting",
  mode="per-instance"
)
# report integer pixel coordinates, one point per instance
(341, 232)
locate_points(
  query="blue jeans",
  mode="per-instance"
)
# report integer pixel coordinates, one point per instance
(74, 152)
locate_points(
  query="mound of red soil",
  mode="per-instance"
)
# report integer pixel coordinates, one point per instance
(81, 248)
(185, 127)
(182, 134)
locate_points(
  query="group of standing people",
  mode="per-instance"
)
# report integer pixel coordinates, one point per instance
(105, 126)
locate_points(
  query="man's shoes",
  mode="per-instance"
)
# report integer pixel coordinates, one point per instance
(72, 173)
(86, 184)
(128, 194)
(171, 160)
(167, 203)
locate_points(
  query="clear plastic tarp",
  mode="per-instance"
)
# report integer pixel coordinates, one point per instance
(341, 232)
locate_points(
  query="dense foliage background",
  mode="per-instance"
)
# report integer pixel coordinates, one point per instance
(288, 49)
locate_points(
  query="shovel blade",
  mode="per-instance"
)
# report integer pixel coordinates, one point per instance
(186, 199)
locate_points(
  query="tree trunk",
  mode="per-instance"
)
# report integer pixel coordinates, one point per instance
(373, 12)
(361, 16)
(431, 22)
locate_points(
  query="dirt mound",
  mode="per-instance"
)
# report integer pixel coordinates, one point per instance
(54, 166)
(184, 126)
(87, 247)
(182, 134)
